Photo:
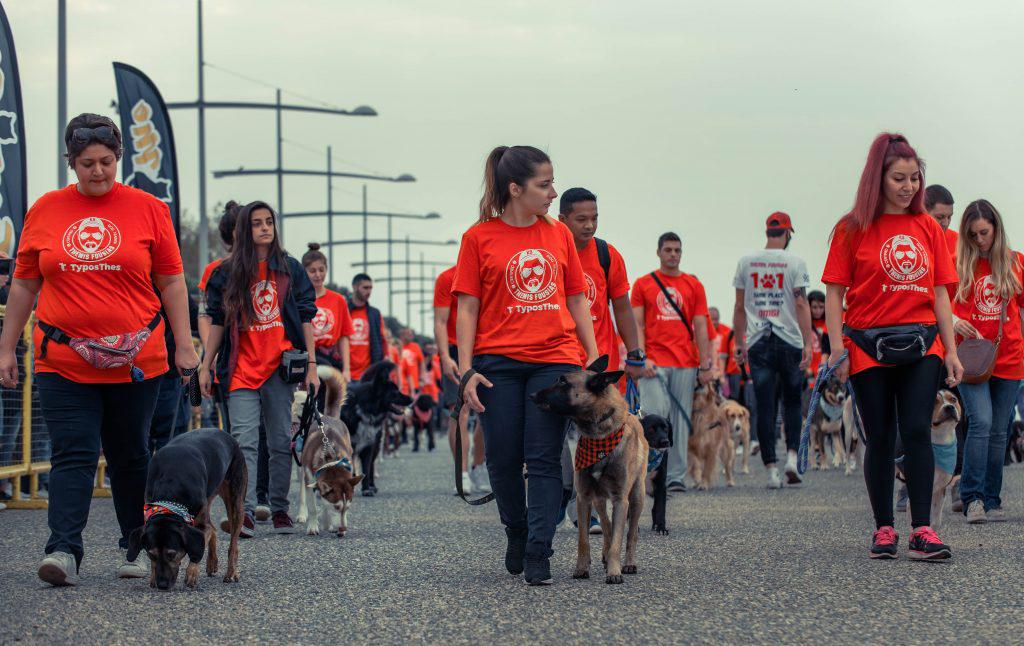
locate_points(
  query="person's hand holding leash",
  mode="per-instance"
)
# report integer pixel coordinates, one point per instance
(954, 369)
(843, 371)
(650, 369)
(312, 378)
(740, 353)
(470, 381)
(186, 360)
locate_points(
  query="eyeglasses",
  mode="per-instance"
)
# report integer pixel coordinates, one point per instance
(102, 134)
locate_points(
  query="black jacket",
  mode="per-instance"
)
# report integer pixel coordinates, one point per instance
(298, 306)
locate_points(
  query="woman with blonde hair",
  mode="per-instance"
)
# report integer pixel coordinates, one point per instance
(987, 306)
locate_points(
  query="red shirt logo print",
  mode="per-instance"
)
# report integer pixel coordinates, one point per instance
(664, 307)
(323, 322)
(904, 258)
(591, 290)
(986, 299)
(92, 239)
(530, 275)
(264, 301)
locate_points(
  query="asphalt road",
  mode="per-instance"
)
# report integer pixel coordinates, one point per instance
(743, 565)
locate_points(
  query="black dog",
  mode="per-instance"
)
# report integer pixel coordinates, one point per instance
(1015, 444)
(184, 478)
(423, 420)
(365, 411)
(658, 433)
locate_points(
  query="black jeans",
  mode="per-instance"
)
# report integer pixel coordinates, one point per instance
(898, 400)
(82, 418)
(775, 363)
(168, 406)
(517, 432)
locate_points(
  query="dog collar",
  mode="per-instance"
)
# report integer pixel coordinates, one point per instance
(654, 457)
(590, 451)
(166, 507)
(831, 412)
(343, 462)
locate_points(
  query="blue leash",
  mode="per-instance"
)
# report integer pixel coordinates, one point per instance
(824, 374)
(654, 456)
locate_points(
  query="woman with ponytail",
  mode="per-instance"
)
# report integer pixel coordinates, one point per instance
(332, 327)
(522, 314)
(261, 304)
(987, 306)
(888, 263)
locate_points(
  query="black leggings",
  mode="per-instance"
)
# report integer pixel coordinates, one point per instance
(891, 398)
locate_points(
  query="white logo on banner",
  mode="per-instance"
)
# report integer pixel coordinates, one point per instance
(8, 135)
(148, 157)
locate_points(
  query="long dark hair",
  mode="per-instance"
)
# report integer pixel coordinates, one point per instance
(504, 165)
(243, 266)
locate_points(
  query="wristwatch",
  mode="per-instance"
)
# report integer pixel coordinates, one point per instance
(636, 355)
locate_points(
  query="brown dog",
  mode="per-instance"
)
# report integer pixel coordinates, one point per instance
(737, 421)
(710, 440)
(327, 468)
(611, 463)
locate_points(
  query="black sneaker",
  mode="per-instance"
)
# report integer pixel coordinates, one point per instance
(677, 486)
(883, 543)
(538, 570)
(516, 551)
(926, 546)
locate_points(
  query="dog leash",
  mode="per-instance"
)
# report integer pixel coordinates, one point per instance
(856, 412)
(633, 397)
(675, 402)
(824, 374)
(455, 414)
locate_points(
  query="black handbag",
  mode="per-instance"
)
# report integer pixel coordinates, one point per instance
(894, 345)
(293, 366)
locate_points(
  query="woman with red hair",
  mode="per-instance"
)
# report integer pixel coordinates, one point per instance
(888, 262)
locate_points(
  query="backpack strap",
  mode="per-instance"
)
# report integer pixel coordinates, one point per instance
(604, 257)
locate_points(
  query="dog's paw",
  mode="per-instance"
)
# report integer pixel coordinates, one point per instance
(629, 569)
(192, 579)
(613, 578)
(341, 532)
(580, 574)
(231, 577)
(312, 530)
(302, 517)
(730, 483)
(745, 471)
(660, 530)
(211, 566)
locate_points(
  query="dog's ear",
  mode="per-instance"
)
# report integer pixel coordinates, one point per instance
(599, 382)
(600, 364)
(136, 543)
(354, 480)
(195, 543)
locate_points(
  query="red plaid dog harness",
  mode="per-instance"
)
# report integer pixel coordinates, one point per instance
(590, 451)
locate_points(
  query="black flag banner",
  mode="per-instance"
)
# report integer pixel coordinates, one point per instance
(13, 186)
(149, 162)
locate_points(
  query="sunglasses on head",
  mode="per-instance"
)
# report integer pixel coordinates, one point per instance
(102, 134)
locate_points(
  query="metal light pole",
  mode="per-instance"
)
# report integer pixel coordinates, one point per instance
(407, 306)
(204, 224)
(280, 166)
(62, 90)
(330, 215)
(366, 257)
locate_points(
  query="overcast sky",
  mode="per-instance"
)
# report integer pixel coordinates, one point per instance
(696, 117)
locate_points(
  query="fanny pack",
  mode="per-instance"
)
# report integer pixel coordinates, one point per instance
(894, 345)
(293, 366)
(105, 352)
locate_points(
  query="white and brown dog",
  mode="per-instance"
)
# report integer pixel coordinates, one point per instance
(326, 467)
(827, 426)
(737, 419)
(945, 416)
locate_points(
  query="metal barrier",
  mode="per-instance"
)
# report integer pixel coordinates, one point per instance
(28, 456)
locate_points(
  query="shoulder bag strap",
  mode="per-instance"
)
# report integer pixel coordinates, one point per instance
(1002, 317)
(672, 302)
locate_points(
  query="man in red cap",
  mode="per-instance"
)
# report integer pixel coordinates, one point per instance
(772, 309)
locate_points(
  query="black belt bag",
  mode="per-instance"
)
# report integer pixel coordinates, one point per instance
(294, 364)
(895, 345)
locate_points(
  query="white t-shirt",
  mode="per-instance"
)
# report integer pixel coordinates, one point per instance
(768, 279)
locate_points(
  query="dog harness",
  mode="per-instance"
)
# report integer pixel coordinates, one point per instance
(342, 462)
(166, 507)
(590, 451)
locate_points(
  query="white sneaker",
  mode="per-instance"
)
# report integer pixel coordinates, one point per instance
(755, 447)
(773, 478)
(262, 513)
(467, 485)
(739, 450)
(59, 569)
(481, 482)
(131, 569)
(792, 474)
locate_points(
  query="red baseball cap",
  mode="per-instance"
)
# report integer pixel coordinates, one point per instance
(779, 220)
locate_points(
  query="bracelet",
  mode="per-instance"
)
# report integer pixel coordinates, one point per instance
(634, 363)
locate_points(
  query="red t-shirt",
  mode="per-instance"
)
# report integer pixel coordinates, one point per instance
(719, 344)
(890, 271)
(395, 356)
(983, 309)
(261, 344)
(522, 276)
(951, 241)
(359, 342)
(430, 388)
(599, 291)
(731, 367)
(208, 272)
(443, 297)
(411, 364)
(668, 342)
(819, 330)
(332, 320)
(97, 257)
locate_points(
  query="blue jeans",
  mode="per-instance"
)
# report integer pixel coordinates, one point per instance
(988, 407)
(517, 432)
(775, 362)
